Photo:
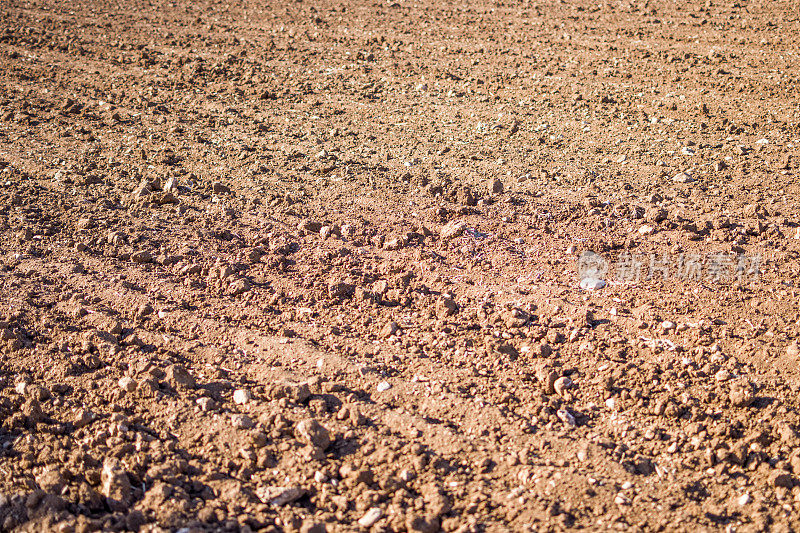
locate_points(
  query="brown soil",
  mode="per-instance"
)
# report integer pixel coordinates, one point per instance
(311, 266)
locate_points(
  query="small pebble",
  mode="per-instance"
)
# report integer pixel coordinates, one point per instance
(242, 396)
(722, 375)
(206, 404)
(383, 386)
(562, 384)
(239, 286)
(646, 230)
(312, 432)
(592, 284)
(370, 517)
(453, 229)
(793, 350)
(278, 496)
(683, 177)
(566, 417)
(241, 422)
(496, 186)
(141, 257)
(84, 417)
(127, 383)
(178, 376)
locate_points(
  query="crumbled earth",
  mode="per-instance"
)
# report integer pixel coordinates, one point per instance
(311, 266)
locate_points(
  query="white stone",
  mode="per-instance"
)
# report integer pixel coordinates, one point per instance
(722, 375)
(592, 284)
(278, 496)
(683, 177)
(370, 517)
(242, 396)
(621, 499)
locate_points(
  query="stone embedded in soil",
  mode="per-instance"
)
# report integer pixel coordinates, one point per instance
(683, 177)
(116, 485)
(206, 404)
(391, 328)
(496, 186)
(83, 418)
(128, 384)
(259, 439)
(591, 284)
(446, 306)
(793, 350)
(37, 392)
(311, 526)
(242, 396)
(741, 394)
(722, 375)
(339, 289)
(219, 188)
(141, 257)
(312, 432)
(278, 496)
(179, 377)
(239, 286)
(452, 229)
(171, 185)
(51, 480)
(33, 410)
(394, 243)
(144, 310)
(370, 517)
(621, 499)
(311, 226)
(561, 385)
(239, 421)
(647, 229)
(566, 417)
(465, 196)
(549, 378)
(781, 479)
(297, 392)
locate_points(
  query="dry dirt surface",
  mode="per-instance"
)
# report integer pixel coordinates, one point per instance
(313, 266)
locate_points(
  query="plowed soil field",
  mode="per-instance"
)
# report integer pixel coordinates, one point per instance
(405, 265)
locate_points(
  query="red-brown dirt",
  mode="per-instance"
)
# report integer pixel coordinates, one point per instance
(313, 266)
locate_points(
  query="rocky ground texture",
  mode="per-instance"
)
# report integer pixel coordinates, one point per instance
(311, 266)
